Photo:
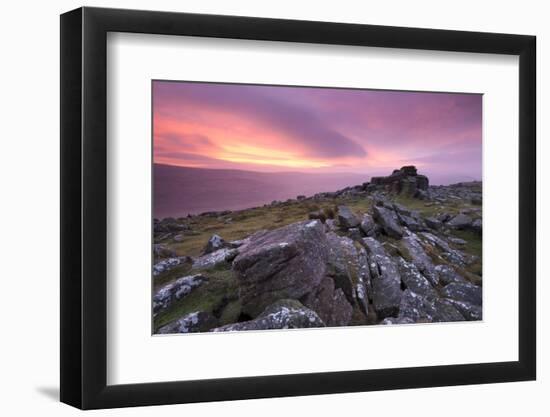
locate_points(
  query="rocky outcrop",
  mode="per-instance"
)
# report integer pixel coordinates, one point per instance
(417, 309)
(363, 287)
(342, 264)
(469, 311)
(386, 281)
(329, 303)
(368, 226)
(388, 220)
(446, 252)
(405, 181)
(284, 263)
(409, 218)
(283, 314)
(447, 274)
(420, 258)
(413, 279)
(463, 291)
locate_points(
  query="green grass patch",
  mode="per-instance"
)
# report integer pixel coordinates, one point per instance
(429, 209)
(474, 246)
(231, 313)
(171, 275)
(473, 240)
(221, 286)
(403, 251)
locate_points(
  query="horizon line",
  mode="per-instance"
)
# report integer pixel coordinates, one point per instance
(303, 172)
(258, 172)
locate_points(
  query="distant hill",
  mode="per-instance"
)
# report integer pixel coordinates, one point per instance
(179, 191)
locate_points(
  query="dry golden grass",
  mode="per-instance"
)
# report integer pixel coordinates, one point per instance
(240, 224)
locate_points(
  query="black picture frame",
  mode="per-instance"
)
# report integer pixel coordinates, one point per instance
(84, 207)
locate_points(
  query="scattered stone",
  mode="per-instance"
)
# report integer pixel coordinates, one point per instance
(283, 314)
(346, 218)
(453, 256)
(176, 291)
(456, 241)
(477, 226)
(470, 312)
(217, 214)
(444, 217)
(367, 225)
(420, 309)
(179, 238)
(433, 223)
(463, 291)
(214, 243)
(355, 233)
(447, 274)
(388, 221)
(401, 209)
(199, 321)
(393, 320)
(168, 264)
(317, 215)
(414, 280)
(331, 225)
(162, 251)
(460, 221)
(445, 312)
(412, 221)
(238, 243)
(477, 200)
(419, 258)
(169, 225)
(422, 194)
(214, 259)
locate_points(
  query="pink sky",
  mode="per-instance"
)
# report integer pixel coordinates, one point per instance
(273, 129)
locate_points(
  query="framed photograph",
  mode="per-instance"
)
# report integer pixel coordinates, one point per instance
(257, 208)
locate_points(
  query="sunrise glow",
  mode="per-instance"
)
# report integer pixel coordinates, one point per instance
(277, 129)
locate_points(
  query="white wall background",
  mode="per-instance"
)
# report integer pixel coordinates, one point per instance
(29, 177)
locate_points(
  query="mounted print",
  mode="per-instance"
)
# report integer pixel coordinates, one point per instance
(256, 208)
(299, 207)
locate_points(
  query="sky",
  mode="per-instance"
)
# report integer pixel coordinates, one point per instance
(325, 130)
